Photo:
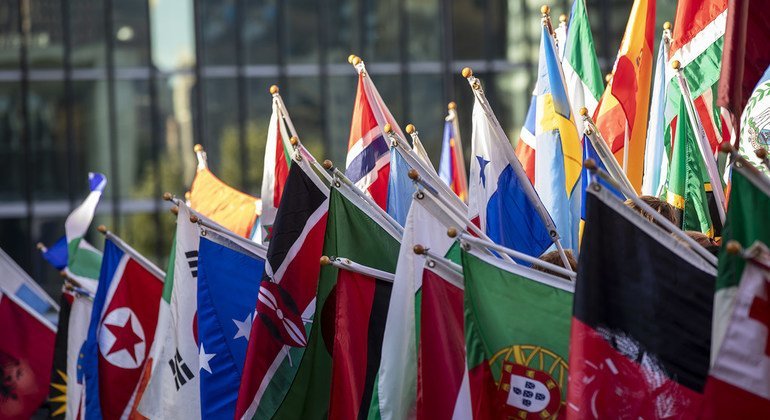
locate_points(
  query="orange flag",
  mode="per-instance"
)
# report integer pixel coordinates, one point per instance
(623, 110)
(222, 203)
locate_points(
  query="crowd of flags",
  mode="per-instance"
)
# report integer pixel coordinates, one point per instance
(389, 289)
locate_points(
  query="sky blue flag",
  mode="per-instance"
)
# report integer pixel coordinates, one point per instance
(590, 153)
(400, 188)
(228, 285)
(654, 149)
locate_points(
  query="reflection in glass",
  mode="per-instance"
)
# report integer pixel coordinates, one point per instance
(130, 33)
(341, 30)
(218, 24)
(303, 99)
(222, 131)
(424, 30)
(9, 35)
(87, 33)
(47, 134)
(136, 163)
(90, 128)
(260, 41)
(339, 111)
(173, 34)
(46, 40)
(175, 154)
(381, 30)
(11, 151)
(301, 31)
(429, 112)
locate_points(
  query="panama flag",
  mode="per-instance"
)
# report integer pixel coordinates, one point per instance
(173, 388)
(498, 201)
(26, 354)
(452, 164)
(558, 161)
(123, 320)
(286, 301)
(368, 160)
(276, 169)
(739, 381)
(228, 284)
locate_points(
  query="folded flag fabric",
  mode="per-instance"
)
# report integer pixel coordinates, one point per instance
(655, 151)
(83, 260)
(288, 286)
(77, 333)
(123, 320)
(452, 163)
(228, 285)
(400, 187)
(224, 204)
(18, 283)
(26, 355)
(276, 169)
(517, 365)
(739, 381)
(641, 327)
(755, 123)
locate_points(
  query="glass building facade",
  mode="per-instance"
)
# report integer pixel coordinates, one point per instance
(127, 87)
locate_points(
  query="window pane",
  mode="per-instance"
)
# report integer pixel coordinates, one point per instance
(260, 108)
(9, 35)
(222, 133)
(46, 43)
(303, 99)
(130, 33)
(91, 135)
(135, 159)
(173, 34)
(11, 151)
(381, 30)
(259, 32)
(47, 133)
(428, 112)
(302, 31)
(218, 31)
(339, 111)
(87, 33)
(424, 30)
(468, 27)
(341, 30)
(177, 159)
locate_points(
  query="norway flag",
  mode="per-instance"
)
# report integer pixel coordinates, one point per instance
(120, 336)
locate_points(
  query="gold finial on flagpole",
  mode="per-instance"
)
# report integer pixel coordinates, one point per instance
(667, 26)
(102, 229)
(175, 210)
(761, 153)
(467, 72)
(351, 57)
(388, 129)
(418, 249)
(274, 89)
(194, 218)
(451, 232)
(726, 147)
(608, 77)
(40, 246)
(293, 140)
(356, 61)
(733, 247)
(325, 260)
(328, 164)
(413, 174)
(167, 196)
(676, 64)
(187, 195)
(197, 148)
(63, 273)
(590, 164)
(545, 10)
(583, 111)
(410, 129)
(563, 18)
(451, 105)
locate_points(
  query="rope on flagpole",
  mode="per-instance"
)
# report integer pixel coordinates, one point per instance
(605, 155)
(657, 217)
(703, 144)
(139, 258)
(352, 266)
(526, 185)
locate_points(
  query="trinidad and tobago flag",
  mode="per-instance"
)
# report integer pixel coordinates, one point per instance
(286, 300)
(641, 327)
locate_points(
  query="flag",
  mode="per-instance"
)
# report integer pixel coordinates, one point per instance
(173, 390)
(755, 124)
(498, 200)
(26, 354)
(57, 397)
(56, 254)
(18, 283)
(688, 181)
(77, 332)
(396, 388)
(276, 169)
(350, 313)
(517, 363)
(622, 114)
(582, 73)
(641, 326)
(558, 159)
(83, 260)
(452, 164)
(228, 284)
(745, 223)
(744, 57)
(696, 42)
(587, 177)
(368, 159)
(560, 35)
(400, 187)
(224, 204)
(525, 147)
(123, 320)
(288, 285)
(441, 364)
(739, 381)
(655, 152)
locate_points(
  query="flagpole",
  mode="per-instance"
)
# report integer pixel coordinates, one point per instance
(294, 140)
(437, 259)
(526, 185)
(703, 144)
(605, 155)
(141, 259)
(417, 144)
(657, 217)
(339, 180)
(346, 264)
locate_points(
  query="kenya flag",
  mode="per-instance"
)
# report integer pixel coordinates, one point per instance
(517, 339)
(641, 328)
(277, 342)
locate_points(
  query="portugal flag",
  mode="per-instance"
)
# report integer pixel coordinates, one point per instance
(516, 338)
(641, 327)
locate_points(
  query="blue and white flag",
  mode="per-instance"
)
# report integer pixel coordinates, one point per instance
(498, 202)
(400, 187)
(587, 177)
(228, 286)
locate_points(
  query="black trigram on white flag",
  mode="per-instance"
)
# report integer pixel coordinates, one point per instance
(179, 369)
(192, 261)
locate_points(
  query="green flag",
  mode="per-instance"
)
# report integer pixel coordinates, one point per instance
(353, 234)
(582, 73)
(688, 180)
(517, 328)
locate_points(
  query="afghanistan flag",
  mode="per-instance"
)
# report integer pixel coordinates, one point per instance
(746, 222)
(349, 319)
(516, 338)
(641, 328)
(287, 300)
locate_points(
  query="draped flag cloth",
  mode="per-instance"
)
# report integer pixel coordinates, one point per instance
(224, 204)
(452, 165)
(275, 172)
(655, 151)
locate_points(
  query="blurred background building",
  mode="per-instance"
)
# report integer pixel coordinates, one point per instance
(126, 87)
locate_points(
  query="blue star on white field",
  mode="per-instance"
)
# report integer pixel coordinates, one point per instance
(482, 164)
(244, 327)
(203, 359)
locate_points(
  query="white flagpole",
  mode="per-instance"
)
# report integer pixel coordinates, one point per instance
(343, 263)
(703, 144)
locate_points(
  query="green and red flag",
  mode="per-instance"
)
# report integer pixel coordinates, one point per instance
(517, 326)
